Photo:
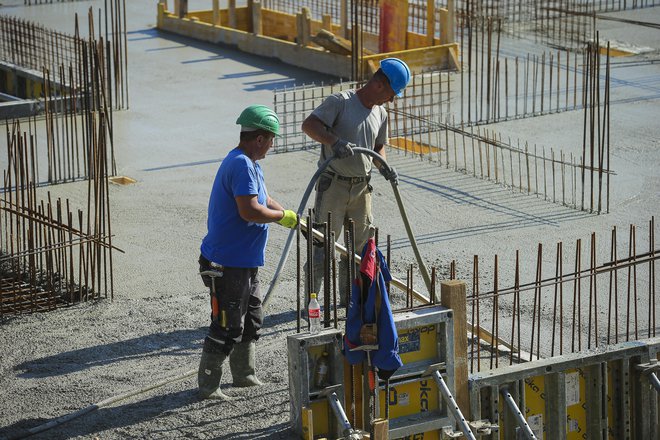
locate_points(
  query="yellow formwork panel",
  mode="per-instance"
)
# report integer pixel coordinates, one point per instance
(320, 411)
(576, 415)
(418, 344)
(535, 405)
(9, 82)
(320, 408)
(33, 89)
(615, 52)
(409, 398)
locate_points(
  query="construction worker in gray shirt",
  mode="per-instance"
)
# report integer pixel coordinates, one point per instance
(354, 118)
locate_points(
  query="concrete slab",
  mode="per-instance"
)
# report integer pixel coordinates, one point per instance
(185, 97)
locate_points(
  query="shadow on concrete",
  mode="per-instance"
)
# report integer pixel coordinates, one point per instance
(282, 317)
(182, 404)
(177, 343)
(113, 418)
(513, 224)
(271, 85)
(185, 164)
(295, 75)
(279, 431)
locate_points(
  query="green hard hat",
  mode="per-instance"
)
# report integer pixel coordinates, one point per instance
(260, 116)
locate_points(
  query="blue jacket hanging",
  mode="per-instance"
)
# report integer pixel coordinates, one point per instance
(369, 290)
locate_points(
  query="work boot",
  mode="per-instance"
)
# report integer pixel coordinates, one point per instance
(241, 363)
(210, 372)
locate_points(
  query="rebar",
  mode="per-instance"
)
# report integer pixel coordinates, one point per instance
(47, 261)
(548, 339)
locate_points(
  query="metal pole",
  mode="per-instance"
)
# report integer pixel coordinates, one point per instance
(527, 431)
(340, 414)
(453, 407)
(654, 381)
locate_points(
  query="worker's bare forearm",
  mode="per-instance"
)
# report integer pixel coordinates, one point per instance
(251, 210)
(317, 130)
(380, 149)
(274, 204)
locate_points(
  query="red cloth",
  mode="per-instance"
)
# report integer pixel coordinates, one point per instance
(368, 263)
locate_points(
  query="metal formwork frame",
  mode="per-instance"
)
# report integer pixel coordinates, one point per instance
(425, 358)
(442, 319)
(634, 401)
(301, 390)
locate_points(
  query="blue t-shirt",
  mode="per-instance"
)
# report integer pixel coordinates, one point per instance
(230, 240)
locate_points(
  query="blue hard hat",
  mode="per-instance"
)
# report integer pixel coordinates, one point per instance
(397, 72)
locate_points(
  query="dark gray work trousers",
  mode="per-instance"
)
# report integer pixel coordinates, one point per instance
(236, 312)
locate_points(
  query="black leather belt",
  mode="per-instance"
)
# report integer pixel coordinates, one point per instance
(350, 179)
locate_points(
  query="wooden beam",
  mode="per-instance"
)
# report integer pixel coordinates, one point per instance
(326, 22)
(430, 22)
(216, 12)
(307, 424)
(381, 429)
(183, 7)
(304, 27)
(444, 24)
(231, 11)
(452, 294)
(451, 21)
(257, 27)
(333, 43)
(343, 19)
(447, 23)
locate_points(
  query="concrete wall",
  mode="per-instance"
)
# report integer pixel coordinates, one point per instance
(281, 44)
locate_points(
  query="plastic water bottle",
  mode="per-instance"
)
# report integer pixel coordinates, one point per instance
(314, 314)
(322, 371)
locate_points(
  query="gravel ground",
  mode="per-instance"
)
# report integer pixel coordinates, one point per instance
(184, 98)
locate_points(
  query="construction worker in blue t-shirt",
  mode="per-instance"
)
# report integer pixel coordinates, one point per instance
(239, 214)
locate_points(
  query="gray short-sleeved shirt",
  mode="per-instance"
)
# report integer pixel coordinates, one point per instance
(345, 116)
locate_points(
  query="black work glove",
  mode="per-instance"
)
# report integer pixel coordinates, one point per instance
(389, 174)
(343, 149)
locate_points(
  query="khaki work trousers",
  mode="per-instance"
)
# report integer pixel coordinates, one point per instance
(346, 200)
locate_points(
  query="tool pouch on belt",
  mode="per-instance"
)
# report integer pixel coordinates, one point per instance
(205, 265)
(369, 334)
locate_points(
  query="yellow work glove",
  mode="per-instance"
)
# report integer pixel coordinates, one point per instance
(289, 220)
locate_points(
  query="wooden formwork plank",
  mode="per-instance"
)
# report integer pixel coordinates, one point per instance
(423, 58)
(452, 294)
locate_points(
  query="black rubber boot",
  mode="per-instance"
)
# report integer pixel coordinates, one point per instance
(242, 365)
(210, 372)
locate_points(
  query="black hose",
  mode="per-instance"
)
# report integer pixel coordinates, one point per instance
(289, 239)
